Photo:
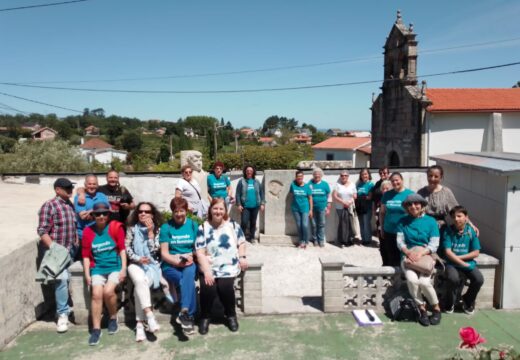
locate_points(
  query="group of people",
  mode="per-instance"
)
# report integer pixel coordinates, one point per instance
(312, 202)
(116, 238)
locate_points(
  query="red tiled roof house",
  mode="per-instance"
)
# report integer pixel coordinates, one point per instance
(355, 149)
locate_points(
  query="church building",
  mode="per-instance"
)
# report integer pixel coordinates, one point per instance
(411, 122)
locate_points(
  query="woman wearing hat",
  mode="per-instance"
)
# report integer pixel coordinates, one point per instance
(418, 236)
(104, 264)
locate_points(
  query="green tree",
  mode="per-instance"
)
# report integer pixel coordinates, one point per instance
(164, 154)
(7, 144)
(318, 137)
(132, 141)
(199, 124)
(44, 157)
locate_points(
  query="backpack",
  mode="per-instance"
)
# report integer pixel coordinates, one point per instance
(402, 308)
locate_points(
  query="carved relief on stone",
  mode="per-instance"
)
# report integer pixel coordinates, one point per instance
(275, 188)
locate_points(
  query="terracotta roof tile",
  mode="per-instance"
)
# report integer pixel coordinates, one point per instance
(474, 100)
(346, 143)
(366, 149)
(96, 143)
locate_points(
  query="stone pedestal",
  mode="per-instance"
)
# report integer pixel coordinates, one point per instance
(251, 293)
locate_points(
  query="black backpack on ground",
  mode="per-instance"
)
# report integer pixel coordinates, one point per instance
(402, 307)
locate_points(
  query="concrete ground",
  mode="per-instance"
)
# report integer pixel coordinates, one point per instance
(311, 336)
(291, 277)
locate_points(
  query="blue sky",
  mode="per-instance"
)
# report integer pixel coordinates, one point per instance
(121, 39)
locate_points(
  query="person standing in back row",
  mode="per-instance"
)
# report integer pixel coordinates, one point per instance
(250, 200)
(321, 201)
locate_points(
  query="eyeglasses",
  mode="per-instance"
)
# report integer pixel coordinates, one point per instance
(344, 175)
(144, 211)
(104, 213)
(188, 172)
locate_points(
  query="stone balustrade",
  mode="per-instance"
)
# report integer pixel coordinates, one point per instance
(345, 288)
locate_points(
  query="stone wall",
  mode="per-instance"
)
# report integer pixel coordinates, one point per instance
(21, 298)
(345, 288)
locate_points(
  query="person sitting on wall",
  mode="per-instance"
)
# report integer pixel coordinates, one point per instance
(461, 247)
(418, 236)
(84, 211)
(104, 265)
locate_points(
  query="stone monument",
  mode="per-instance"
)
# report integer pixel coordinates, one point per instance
(194, 159)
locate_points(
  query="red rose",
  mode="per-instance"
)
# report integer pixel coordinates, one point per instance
(470, 337)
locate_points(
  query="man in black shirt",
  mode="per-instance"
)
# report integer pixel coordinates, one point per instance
(121, 201)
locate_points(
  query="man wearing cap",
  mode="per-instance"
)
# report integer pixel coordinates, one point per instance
(57, 225)
(83, 211)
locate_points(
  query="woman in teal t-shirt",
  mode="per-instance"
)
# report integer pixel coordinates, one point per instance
(321, 202)
(177, 238)
(301, 207)
(219, 185)
(250, 200)
(391, 212)
(104, 264)
(418, 236)
(364, 187)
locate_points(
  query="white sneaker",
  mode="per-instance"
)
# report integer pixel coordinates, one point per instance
(139, 333)
(63, 323)
(153, 326)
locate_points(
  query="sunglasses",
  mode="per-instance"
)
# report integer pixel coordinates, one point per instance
(188, 172)
(104, 213)
(144, 211)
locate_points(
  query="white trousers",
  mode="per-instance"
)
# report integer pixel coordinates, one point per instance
(142, 296)
(420, 285)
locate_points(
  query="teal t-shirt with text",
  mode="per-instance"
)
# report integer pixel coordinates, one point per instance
(180, 238)
(461, 243)
(251, 195)
(217, 188)
(320, 194)
(301, 195)
(393, 201)
(418, 231)
(364, 188)
(104, 251)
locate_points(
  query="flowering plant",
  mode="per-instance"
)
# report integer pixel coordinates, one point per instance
(470, 342)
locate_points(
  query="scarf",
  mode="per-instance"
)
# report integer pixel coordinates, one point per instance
(140, 246)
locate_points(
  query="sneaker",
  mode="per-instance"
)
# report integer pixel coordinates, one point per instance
(112, 326)
(423, 319)
(450, 310)
(62, 325)
(322, 244)
(140, 335)
(153, 326)
(95, 335)
(470, 310)
(186, 322)
(203, 326)
(435, 319)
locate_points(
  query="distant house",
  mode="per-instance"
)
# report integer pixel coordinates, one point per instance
(45, 133)
(101, 151)
(335, 132)
(302, 139)
(91, 131)
(274, 132)
(267, 141)
(30, 126)
(189, 132)
(248, 133)
(305, 131)
(355, 149)
(358, 133)
(160, 131)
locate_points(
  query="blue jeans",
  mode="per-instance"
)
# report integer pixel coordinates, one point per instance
(318, 226)
(365, 223)
(185, 278)
(248, 221)
(61, 293)
(302, 224)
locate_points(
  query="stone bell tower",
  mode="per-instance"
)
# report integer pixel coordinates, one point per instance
(397, 111)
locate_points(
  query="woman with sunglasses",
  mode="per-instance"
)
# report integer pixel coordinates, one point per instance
(391, 212)
(189, 189)
(142, 248)
(344, 196)
(418, 236)
(104, 264)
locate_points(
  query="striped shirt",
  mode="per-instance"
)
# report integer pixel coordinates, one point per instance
(58, 219)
